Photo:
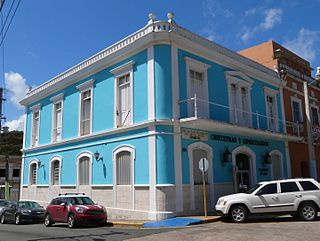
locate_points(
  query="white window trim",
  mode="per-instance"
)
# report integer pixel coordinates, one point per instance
(88, 85)
(272, 93)
(34, 109)
(55, 100)
(90, 156)
(279, 153)
(232, 77)
(132, 151)
(318, 113)
(55, 158)
(195, 65)
(34, 161)
(293, 98)
(118, 72)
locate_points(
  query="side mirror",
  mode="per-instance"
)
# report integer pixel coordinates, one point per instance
(13, 206)
(259, 193)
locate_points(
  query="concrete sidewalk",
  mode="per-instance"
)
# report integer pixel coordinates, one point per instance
(139, 223)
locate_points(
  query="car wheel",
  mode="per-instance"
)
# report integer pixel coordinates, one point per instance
(3, 219)
(102, 223)
(308, 211)
(47, 220)
(238, 214)
(71, 221)
(17, 219)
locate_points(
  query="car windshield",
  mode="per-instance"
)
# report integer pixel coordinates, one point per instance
(4, 203)
(81, 201)
(251, 190)
(28, 205)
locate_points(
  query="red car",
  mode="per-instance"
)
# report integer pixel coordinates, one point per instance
(74, 209)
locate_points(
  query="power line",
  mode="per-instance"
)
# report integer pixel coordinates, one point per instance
(14, 13)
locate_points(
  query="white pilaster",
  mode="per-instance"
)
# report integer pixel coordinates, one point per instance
(151, 109)
(178, 167)
(152, 173)
(175, 82)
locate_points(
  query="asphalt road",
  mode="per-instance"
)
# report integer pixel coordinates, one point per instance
(282, 228)
(37, 232)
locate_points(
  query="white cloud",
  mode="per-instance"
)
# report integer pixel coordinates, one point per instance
(17, 87)
(17, 124)
(305, 44)
(272, 17)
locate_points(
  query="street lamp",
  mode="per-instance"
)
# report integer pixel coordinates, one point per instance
(312, 159)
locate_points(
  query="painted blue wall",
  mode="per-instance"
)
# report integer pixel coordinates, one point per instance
(165, 155)
(102, 171)
(103, 102)
(163, 85)
(222, 172)
(218, 92)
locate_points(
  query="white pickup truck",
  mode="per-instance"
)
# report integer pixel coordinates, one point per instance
(299, 197)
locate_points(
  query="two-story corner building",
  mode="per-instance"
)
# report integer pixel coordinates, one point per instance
(298, 72)
(129, 125)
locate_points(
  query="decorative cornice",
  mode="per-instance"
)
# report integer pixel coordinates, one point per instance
(86, 85)
(57, 98)
(152, 27)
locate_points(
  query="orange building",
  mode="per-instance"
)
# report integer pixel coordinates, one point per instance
(296, 71)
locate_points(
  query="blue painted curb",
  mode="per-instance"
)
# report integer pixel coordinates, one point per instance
(173, 222)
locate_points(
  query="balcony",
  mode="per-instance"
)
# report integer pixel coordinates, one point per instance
(197, 113)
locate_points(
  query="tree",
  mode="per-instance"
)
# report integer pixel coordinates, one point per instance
(11, 143)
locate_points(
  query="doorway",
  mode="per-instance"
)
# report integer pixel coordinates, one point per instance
(242, 172)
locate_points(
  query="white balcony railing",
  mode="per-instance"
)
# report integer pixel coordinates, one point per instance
(236, 116)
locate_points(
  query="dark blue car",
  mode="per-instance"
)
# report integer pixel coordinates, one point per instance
(22, 211)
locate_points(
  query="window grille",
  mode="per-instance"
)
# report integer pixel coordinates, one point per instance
(35, 128)
(85, 117)
(57, 121)
(84, 169)
(123, 162)
(55, 172)
(33, 174)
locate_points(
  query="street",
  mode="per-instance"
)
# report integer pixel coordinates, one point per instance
(281, 228)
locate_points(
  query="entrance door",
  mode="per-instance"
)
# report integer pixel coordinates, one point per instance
(197, 178)
(242, 173)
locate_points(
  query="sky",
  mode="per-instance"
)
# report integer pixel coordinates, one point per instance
(46, 37)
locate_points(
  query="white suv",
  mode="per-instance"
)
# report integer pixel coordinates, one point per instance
(298, 197)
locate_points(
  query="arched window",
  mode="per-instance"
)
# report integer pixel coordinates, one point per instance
(33, 173)
(123, 162)
(84, 170)
(55, 172)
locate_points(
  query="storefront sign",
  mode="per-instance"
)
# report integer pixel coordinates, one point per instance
(239, 140)
(194, 135)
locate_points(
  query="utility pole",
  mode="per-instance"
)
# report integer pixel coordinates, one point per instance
(1, 115)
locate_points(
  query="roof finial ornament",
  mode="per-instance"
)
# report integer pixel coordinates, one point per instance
(152, 18)
(170, 16)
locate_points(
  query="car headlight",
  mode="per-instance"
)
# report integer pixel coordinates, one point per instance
(222, 202)
(104, 209)
(25, 211)
(79, 210)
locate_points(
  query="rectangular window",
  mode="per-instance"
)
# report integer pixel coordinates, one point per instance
(124, 112)
(16, 173)
(57, 122)
(296, 112)
(85, 115)
(271, 113)
(35, 128)
(2, 173)
(315, 116)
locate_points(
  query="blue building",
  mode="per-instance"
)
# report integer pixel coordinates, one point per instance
(129, 125)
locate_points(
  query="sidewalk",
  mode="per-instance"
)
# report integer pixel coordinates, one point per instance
(140, 223)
